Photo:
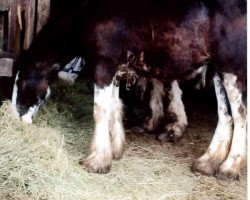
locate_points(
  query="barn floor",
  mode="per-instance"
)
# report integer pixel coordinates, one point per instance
(201, 110)
(41, 161)
(182, 183)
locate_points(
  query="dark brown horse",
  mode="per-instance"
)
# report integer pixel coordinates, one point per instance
(180, 36)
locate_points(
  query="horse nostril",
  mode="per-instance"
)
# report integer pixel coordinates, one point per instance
(18, 108)
(22, 110)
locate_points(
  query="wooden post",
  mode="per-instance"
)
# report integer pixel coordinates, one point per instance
(12, 29)
(43, 11)
(10, 6)
(30, 12)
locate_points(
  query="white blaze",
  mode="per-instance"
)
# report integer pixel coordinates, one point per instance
(14, 96)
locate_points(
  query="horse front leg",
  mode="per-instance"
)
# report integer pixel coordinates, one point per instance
(116, 125)
(100, 154)
(109, 138)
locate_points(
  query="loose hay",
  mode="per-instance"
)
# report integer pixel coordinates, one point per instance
(40, 161)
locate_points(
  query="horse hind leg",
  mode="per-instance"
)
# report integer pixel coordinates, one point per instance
(156, 105)
(176, 112)
(236, 159)
(218, 150)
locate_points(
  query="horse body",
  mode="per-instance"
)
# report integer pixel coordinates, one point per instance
(177, 37)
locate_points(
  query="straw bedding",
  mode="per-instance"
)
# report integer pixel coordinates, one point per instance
(40, 161)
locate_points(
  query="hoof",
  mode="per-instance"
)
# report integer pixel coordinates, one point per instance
(93, 168)
(168, 136)
(231, 168)
(207, 164)
(97, 164)
(117, 155)
(139, 129)
(227, 175)
(173, 132)
(203, 167)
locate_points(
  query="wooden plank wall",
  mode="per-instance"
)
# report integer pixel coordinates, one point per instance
(32, 10)
(10, 6)
(29, 8)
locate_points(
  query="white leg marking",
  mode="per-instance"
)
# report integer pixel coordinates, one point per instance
(156, 105)
(100, 155)
(219, 147)
(236, 159)
(202, 71)
(116, 125)
(177, 108)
